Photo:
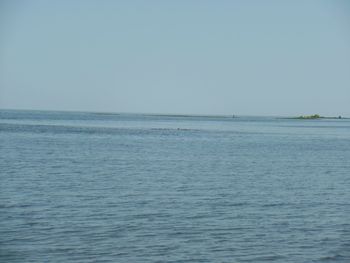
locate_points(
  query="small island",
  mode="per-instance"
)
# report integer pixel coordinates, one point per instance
(309, 117)
(315, 117)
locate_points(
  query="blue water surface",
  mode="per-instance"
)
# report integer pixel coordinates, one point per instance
(94, 187)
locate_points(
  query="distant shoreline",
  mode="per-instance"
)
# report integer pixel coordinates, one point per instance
(315, 117)
(232, 116)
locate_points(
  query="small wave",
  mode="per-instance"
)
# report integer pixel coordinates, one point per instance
(332, 258)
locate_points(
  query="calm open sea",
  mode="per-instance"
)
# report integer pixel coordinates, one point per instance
(88, 187)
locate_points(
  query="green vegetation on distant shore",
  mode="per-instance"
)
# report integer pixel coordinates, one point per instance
(310, 117)
(316, 116)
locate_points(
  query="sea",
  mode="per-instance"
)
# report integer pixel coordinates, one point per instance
(103, 187)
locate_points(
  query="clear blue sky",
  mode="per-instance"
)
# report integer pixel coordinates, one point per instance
(196, 57)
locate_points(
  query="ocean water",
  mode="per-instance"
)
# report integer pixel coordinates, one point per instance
(88, 187)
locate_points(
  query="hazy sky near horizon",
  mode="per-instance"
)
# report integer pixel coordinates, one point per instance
(197, 57)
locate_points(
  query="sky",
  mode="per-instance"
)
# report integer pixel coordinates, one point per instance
(278, 58)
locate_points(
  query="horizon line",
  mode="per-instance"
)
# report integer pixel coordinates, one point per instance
(164, 114)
